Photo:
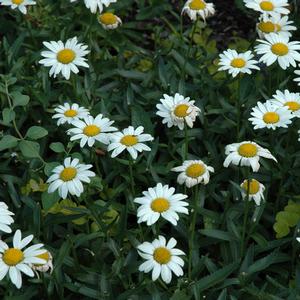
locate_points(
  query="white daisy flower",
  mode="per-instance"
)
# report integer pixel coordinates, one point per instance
(69, 113)
(93, 5)
(161, 258)
(177, 110)
(277, 24)
(19, 4)
(5, 218)
(194, 8)
(90, 130)
(269, 7)
(246, 154)
(68, 178)
(235, 63)
(255, 189)
(64, 58)
(45, 267)
(193, 172)
(289, 100)
(15, 260)
(161, 201)
(109, 20)
(297, 79)
(130, 139)
(271, 116)
(298, 239)
(278, 48)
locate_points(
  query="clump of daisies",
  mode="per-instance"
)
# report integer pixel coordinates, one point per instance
(193, 172)
(161, 258)
(177, 111)
(253, 189)
(195, 8)
(19, 258)
(68, 113)
(129, 139)
(270, 115)
(68, 178)
(246, 153)
(109, 20)
(161, 201)
(235, 63)
(64, 58)
(278, 48)
(18, 4)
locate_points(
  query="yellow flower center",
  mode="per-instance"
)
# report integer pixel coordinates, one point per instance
(160, 205)
(267, 27)
(292, 105)
(253, 186)
(195, 170)
(129, 140)
(44, 256)
(271, 117)
(108, 18)
(181, 110)
(162, 255)
(280, 49)
(197, 5)
(17, 2)
(266, 5)
(68, 174)
(70, 113)
(66, 56)
(12, 256)
(238, 63)
(247, 150)
(91, 130)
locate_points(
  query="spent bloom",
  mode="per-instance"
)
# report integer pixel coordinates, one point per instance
(16, 260)
(235, 63)
(254, 189)
(161, 201)
(45, 267)
(246, 153)
(64, 57)
(177, 111)
(161, 258)
(195, 8)
(109, 20)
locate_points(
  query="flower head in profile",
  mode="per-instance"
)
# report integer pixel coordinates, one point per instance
(289, 100)
(68, 178)
(278, 48)
(45, 267)
(235, 63)
(93, 5)
(16, 260)
(254, 189)
(193, 172)
(64, 58)
(18, 4)
(277, 24)
(246, 154)
(69, 113)
(161, 258)
(177, 111)
(194, 8)
(109, 20)
(89, 130)
(130, 139)
(271, 116)
(161, 201)
(5, 218)
(269, 7)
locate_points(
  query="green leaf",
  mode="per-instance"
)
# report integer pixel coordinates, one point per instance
(36, 132)
(7, 142)
(57, 147)
(218, 234)
(8, 115)
(19, 99)
(29, 149)
(215, 278)
(49, 199)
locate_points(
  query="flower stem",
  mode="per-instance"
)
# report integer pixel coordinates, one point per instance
(238, 108)
(186, 142)
(192, 230)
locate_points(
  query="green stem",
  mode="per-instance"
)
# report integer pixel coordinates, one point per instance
(186, 142)
(238, 108)
(192, 230)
